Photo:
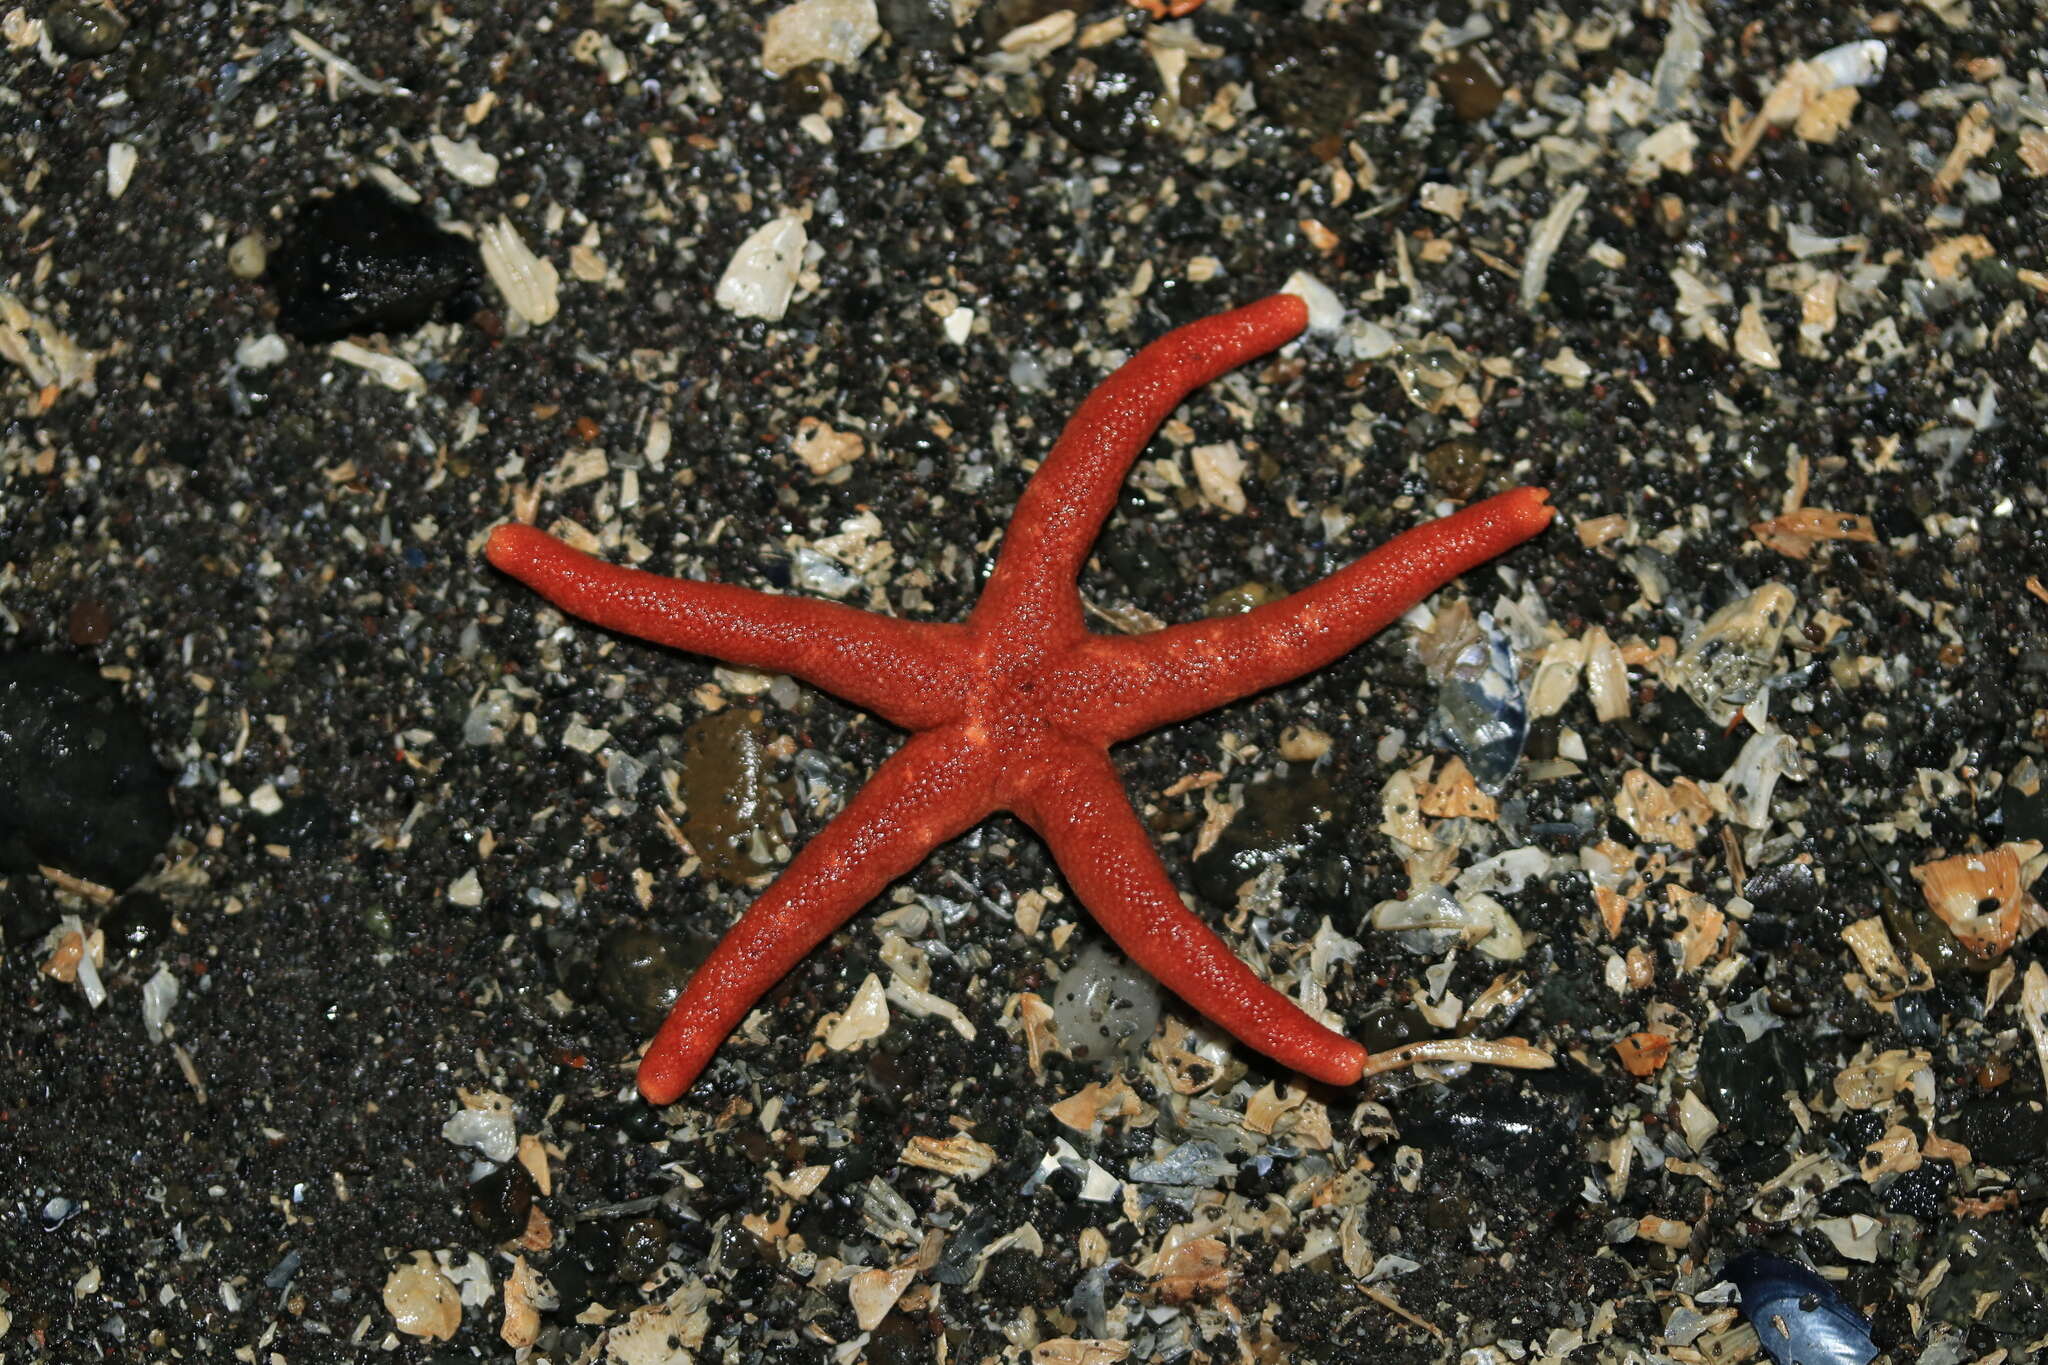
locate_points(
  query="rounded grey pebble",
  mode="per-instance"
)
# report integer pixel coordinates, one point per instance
(1105, 1004)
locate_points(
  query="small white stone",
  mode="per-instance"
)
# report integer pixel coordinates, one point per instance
(248, 256)
(120, 166)
(762, 275)
(490, 1126)
(466, 891)
(584, 739)
(465, 160)
(1219, 472)
(260, 353)
(388, 370)
(958, 325)
(1325, 309)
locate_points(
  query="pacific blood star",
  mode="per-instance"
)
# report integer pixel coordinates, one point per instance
(1015, 709)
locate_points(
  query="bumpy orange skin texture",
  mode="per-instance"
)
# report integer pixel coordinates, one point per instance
(1015, 709)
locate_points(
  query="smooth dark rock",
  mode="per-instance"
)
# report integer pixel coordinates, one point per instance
(84, 28)
(1277, 821)
(1746, 1081)
(138, 922)
(1688, 737)
(498, 1204)
(1103, 100)
(640, 972)
(80, 787)
(26, 912)
(362, 262)
(1314, 79)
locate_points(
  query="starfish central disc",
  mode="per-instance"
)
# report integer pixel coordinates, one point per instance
(1016, 708)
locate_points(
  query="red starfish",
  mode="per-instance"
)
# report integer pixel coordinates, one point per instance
(1016, 708)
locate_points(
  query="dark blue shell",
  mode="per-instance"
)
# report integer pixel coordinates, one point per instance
(1799, 1316)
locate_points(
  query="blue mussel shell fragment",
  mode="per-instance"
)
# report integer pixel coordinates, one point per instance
(1799, 1317)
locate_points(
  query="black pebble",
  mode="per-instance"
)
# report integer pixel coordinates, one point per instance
(498, 1204)
(80, 787)
(640, 972)
(362, 262)
(139, 921)
(1746, 1081)
(2002, 1132)
(1923, 1191)
(643, 1247)
(26, 914)
(1689, 739)
(1103, 101)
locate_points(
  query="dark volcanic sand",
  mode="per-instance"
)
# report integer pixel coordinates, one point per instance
(278, 566)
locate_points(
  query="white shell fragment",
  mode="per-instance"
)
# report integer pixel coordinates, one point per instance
(761, 277)
(895, 125)
(526, 1296)
(1037, 39)
(866, 1018)
(387, 370)
(1325, 309)
(1753, 338)
(159, 994)
(120, 166)
(1727, 661)
(874, 1292)
(1545, 240)
(465, 160)
(52, 359)
(487, 1123)
(1670, 148)
(1982, 897)
(823, 450)
(662, 1333)
(1219, 473)
(2034, 1008)
(818, 31)
(1753, 776)
(527, 281)
(1859, 63)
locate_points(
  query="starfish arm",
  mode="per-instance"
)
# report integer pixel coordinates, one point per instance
(900, 670)
(1067, 500)
(1132, 684)
(933, 788)
(1081, 811)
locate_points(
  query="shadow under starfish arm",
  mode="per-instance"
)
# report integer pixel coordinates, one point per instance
(906, 672)
(935, 787)
(1082, 812)
(1182, 671)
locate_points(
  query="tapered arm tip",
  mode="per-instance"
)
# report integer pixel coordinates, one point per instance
(514, 545)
